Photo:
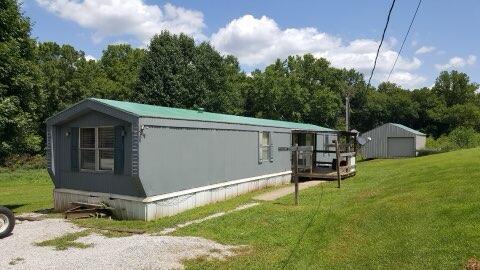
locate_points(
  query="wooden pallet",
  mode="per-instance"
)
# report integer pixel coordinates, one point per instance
(88, 210)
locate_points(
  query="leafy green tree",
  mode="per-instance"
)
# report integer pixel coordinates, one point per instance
(58, 65)
(400, 106)
(178, 73)
(427, 102)
(302, 89)
(325, 108)
(120, 65)
(232, 99)
(372, 112)
(465, 115)
(454, 87)
(20, 95)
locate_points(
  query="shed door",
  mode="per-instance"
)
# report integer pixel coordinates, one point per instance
(401, 147)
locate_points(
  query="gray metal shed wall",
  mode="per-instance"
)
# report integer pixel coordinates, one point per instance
(420, 142)
(174, 158)
(106, 182)
(377, 147)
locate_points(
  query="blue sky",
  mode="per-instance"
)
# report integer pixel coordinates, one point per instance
(444, 35)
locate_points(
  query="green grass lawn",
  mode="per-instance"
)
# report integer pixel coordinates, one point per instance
(420, 213)
(166, 222)
(25, 190)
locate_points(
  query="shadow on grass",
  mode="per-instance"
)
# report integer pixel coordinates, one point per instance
(14, 206)
(46, 211)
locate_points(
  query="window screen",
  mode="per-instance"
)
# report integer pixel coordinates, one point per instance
(96, 148)
(87, 148)
(105, 148)
(87, 138)
(87, 159)
(265, 145)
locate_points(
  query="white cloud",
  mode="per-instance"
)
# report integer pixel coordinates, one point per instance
(425, 49)
(259, 41)
(89, 57)
(457, 62)
(407, 79)
(127, 17)
(471, 59)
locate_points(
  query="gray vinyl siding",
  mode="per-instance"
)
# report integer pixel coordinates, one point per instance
(378, 146)
(105, 182)
(161, 155)
(182, 155)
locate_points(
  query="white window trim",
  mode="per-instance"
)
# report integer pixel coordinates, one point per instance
(96, 149)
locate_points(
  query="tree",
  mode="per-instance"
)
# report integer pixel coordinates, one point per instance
(373, 111)
(58, 65)
(20, 96)
(178, 73)
(430, 106)
(121, 65)
(301, 89)
(454, 87)
(400, 107)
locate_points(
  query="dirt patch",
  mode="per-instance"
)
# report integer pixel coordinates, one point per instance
(281, 192)
(472, 264)
(198, 221)
(368, 194)
(20, 251)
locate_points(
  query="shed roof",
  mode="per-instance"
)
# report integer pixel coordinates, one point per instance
(416, 132)
(145, 110)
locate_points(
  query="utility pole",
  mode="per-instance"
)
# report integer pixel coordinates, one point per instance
(337, 152)
(347, 112)
(296, 174)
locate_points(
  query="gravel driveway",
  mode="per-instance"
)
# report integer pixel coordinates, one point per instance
(19, 251)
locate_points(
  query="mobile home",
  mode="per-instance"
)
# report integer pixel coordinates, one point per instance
(149, 161)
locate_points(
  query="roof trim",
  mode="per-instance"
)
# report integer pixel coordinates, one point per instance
(411, 130)
(78, 108)
(405, 128)
(166, 110)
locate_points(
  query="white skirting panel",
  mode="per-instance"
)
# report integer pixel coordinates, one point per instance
(124, 209)
(152, 208)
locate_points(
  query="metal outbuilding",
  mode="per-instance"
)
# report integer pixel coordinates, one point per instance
(150, 161)
(392, 141)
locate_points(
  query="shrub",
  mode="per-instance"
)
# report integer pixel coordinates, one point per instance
(25, 162)
(428, 151)
(459, 138)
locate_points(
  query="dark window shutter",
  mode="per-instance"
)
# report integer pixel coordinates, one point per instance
(74, 164)
(119, 155)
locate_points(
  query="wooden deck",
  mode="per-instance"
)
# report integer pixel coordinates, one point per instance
(326, 173)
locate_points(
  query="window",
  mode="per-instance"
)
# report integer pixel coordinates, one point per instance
(87, 148)
(96, 148)
(265, 147)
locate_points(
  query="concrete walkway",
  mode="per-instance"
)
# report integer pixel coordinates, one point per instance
(278, 193)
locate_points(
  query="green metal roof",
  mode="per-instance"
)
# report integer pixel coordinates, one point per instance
(408, 129)
(145, 110)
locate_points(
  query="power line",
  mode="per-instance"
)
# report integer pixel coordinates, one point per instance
(404, 39)
(381, 41)
(302, 234)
